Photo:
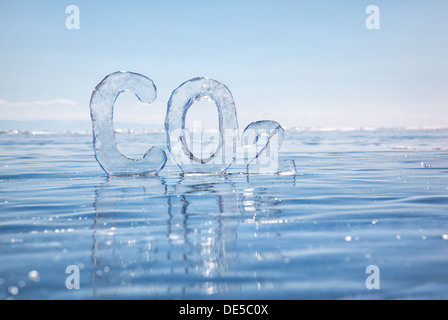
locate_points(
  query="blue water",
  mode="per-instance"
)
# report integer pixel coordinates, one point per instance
(359, 198)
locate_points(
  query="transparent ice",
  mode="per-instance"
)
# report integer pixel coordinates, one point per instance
(102, 103)
(261, 141)
(216, 161)
(257, 151)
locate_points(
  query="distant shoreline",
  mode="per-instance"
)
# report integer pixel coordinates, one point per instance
(298, 130)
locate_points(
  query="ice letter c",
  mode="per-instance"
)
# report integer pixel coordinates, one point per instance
(102, 103)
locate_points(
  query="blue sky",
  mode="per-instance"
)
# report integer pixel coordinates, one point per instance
(301, 63)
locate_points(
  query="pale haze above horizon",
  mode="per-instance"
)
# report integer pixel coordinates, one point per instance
(301, 63)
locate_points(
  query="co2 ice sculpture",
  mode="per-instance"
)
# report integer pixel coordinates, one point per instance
(261, 139)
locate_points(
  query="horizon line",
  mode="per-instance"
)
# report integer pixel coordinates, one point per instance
(290, 129)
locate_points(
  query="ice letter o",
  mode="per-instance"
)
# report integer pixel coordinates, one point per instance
(181, 100)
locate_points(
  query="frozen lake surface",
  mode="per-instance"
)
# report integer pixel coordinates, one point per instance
(359, 198)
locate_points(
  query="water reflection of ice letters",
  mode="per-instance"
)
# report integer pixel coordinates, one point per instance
(125, 209)
(211, 205)
(163, 240)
